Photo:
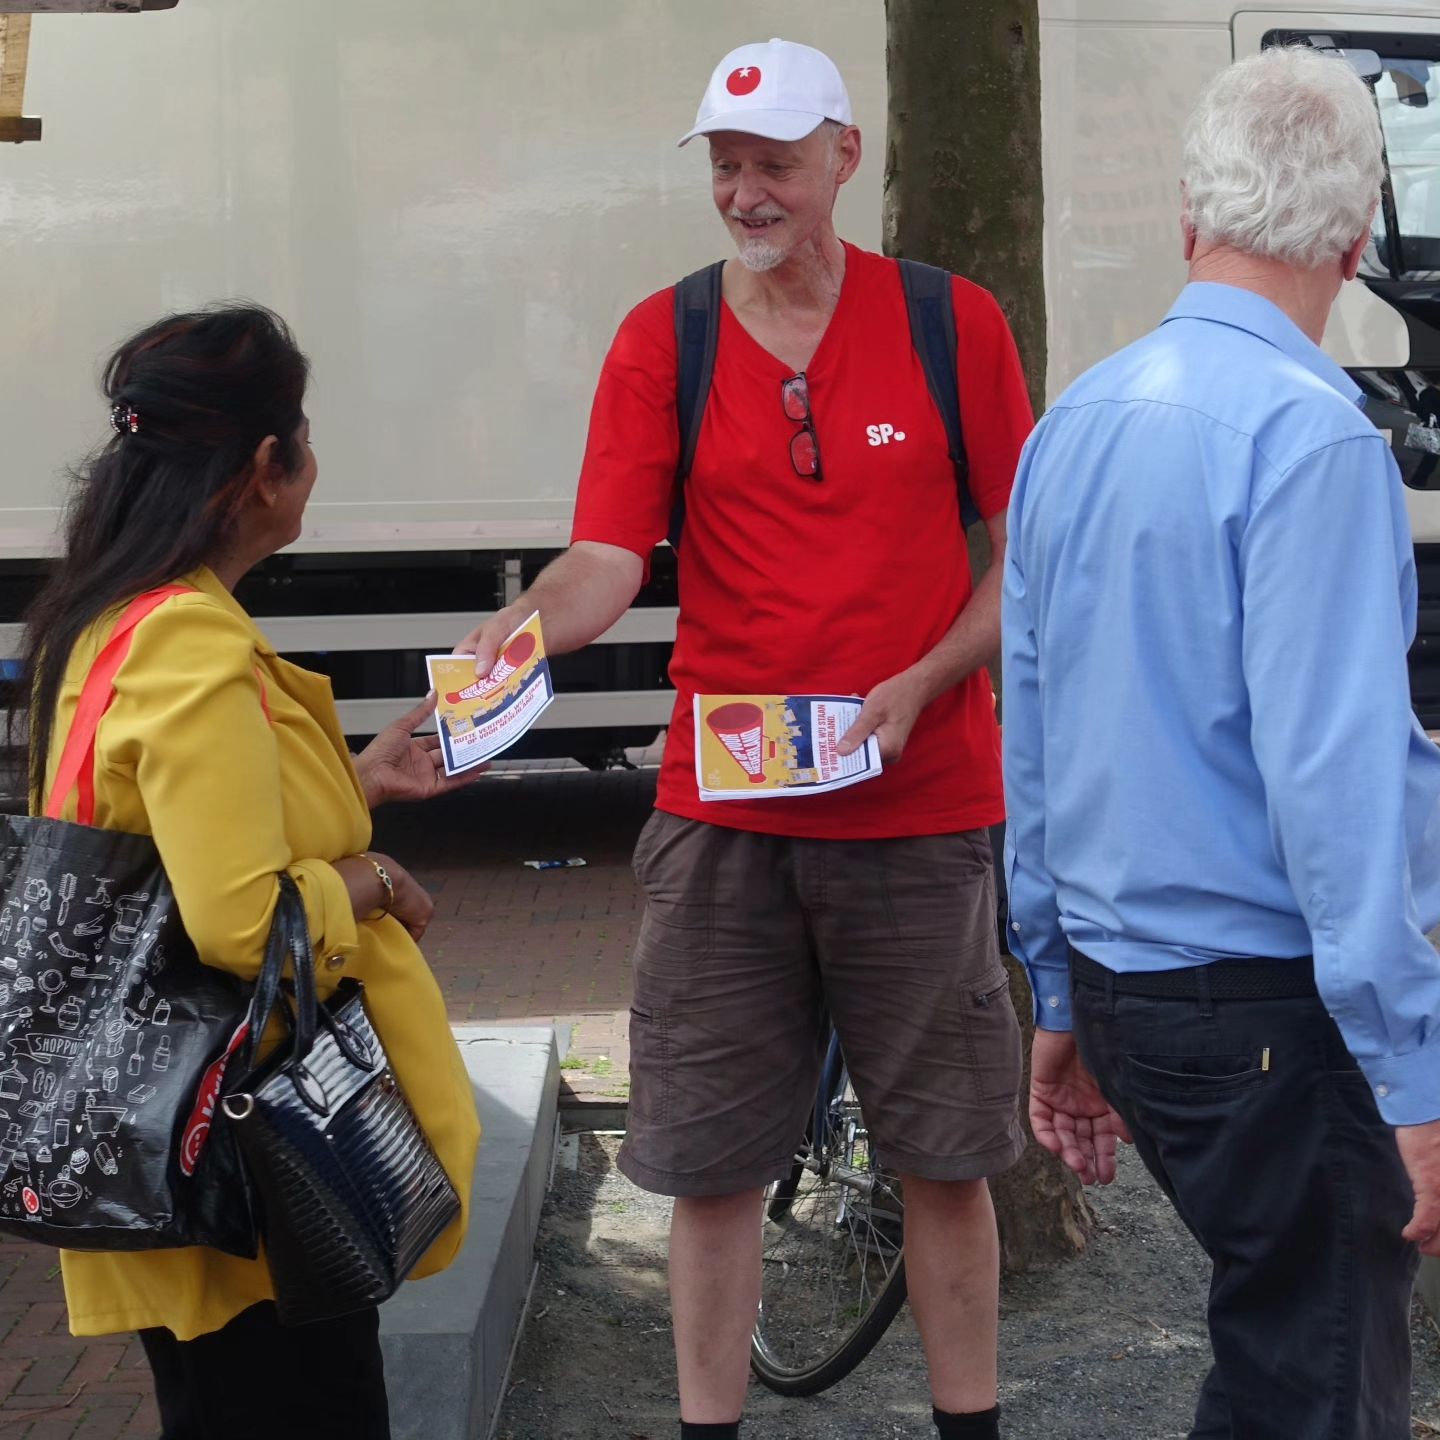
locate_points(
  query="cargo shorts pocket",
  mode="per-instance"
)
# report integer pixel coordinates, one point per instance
(992, 1036)
(643, 843)
(674, 865)
(939, 893)
(650, 1066)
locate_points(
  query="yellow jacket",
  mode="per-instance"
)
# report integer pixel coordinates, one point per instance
(234, 761)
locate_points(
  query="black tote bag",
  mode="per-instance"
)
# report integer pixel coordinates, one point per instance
(113, 1035)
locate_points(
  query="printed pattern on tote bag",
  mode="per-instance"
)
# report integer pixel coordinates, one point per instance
(97, 1032)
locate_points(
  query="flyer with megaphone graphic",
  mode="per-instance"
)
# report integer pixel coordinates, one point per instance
(478, 718)
(752, 747)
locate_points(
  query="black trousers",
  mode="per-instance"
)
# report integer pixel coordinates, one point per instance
(1254, 1119)
(257, 1380)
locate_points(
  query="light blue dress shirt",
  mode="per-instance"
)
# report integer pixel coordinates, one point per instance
(1209, 747)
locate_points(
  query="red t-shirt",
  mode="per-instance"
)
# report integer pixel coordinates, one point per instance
(789, 586)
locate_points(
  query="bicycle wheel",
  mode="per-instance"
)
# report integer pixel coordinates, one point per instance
(832, 1252)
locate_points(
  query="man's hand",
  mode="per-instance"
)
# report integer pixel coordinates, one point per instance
(400, 765)
(1068, 1114)
(485, 640)
(889, 713)
(1420, 1151)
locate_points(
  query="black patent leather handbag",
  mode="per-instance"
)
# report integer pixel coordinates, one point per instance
(351, 1195)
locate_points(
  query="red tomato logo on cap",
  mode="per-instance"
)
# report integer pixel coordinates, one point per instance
(744, 80)
(31, 1199)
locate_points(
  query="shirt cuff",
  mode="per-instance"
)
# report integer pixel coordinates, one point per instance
(1406, 1087)
(328, 911)
(1050, 988)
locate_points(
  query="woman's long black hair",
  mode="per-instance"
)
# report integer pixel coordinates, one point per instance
(193, 397)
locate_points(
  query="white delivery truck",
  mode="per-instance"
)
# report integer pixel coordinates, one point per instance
(455, 202)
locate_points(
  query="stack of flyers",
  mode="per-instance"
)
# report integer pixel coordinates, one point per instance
(478, 718)
(753, 747)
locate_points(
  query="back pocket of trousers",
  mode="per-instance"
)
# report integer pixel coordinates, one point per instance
(1195, 1078)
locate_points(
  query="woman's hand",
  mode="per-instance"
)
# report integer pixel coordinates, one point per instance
(400, 765)
(411, 906)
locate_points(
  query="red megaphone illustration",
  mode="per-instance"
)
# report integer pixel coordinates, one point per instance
(739, 727)
(519, 650)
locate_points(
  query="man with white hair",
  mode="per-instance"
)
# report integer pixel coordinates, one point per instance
(822, 552)
(1224, 839)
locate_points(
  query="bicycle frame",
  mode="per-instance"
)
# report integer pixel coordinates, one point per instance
(833, 1080)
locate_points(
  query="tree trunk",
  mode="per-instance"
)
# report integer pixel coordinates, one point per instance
(963, 190)
(962, 157)
(1040, 1205)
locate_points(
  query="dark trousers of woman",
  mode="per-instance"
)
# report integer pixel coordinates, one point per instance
(258, 1380)
(1251, 1114)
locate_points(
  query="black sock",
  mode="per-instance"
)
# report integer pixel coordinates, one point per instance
(709, 1432)
(973, 1425)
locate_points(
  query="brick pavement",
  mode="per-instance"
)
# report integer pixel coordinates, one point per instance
(508, 944)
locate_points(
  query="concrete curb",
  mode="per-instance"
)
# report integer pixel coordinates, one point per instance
(447, 1340)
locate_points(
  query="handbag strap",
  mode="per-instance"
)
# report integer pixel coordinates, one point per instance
(289, 939)
(302, 956)
(266, 994)
(77, 760)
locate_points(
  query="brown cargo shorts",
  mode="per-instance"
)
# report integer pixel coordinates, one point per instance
(748, 941)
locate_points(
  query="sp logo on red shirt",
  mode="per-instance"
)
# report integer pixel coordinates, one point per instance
(743, 81)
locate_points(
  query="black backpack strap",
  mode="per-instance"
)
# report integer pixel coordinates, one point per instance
(931, 305)
(697, 331)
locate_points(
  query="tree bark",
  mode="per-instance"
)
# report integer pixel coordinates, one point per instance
(963, 190)
(962, 156)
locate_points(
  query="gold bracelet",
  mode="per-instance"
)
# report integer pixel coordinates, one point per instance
(386, 881)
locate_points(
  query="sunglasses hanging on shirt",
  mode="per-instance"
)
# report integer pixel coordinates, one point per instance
(804, 444)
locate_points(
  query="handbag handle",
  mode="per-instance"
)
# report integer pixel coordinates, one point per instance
(77, 760)
(289, 939)
(267, 984)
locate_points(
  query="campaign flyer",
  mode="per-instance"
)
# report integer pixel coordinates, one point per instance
(477, 719)
(751, 747)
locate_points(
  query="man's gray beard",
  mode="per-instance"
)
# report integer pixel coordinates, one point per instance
(760, 255)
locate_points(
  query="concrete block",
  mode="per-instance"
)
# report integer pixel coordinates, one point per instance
(447, 1339)
(1427, 1284)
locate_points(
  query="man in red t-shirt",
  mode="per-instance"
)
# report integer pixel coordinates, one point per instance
(823, 552)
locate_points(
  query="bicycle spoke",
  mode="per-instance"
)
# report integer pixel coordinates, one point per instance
(832, 1246)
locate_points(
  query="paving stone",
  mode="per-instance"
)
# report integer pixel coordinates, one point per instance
(493, 964)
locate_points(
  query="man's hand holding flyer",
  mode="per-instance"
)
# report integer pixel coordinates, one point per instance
(477, 719)
(751, 747)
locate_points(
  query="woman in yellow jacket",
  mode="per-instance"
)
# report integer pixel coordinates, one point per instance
(234, 761)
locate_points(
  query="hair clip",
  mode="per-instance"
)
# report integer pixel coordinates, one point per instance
(124, 420)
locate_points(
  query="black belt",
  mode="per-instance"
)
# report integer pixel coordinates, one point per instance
(1220, 980)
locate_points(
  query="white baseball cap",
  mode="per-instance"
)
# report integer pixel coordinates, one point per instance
(780, 90)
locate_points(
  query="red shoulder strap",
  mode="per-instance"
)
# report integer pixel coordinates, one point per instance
(77, 760)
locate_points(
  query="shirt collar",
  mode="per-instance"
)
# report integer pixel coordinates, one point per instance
(1245, 310)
